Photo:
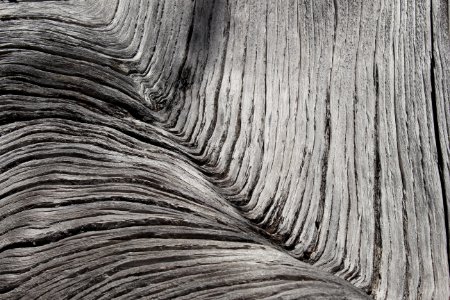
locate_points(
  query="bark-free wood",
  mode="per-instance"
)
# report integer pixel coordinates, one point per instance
(224, 149)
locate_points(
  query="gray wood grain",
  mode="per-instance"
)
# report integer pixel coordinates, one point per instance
(224, 149)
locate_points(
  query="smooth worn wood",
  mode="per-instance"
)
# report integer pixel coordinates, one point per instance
(224, 149)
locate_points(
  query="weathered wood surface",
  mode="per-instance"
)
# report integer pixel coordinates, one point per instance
(224, 149)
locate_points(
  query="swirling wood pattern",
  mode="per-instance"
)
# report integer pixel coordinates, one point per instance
(224, 149)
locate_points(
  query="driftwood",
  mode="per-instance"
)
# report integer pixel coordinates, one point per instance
(224, 149)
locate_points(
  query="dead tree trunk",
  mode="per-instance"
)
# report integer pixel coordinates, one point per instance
(234, 149)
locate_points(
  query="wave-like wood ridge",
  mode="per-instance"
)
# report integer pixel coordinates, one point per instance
(224, 149)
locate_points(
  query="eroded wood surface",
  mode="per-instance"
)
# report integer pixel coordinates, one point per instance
(224, 149)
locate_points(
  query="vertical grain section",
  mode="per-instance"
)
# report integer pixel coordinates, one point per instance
(440, 76)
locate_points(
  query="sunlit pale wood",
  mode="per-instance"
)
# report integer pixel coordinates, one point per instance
(224, 149)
